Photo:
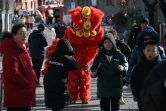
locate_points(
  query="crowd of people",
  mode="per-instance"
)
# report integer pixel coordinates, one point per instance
(139, 64)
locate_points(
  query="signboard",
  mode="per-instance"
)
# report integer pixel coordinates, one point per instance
(72, 5)
(24, 12)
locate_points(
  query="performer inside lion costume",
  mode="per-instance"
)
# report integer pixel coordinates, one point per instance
(85, 34)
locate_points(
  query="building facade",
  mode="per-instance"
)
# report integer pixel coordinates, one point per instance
(109, 7)
(25, 5)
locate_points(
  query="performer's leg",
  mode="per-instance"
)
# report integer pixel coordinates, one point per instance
(84, 86)
(73, 86)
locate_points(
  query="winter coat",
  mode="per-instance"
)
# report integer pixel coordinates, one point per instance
(55, 80)
(123, 47)
(18, 75)
(153, 94)
(140, 72)
(31, 19)
(50, 35)
(132, 40)
(37, 41)
(57, 30)
(137, 52)
(109, 83)
(62, 30)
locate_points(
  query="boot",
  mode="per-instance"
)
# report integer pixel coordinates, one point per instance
(84, 102)
(73, 102)
(121, 101)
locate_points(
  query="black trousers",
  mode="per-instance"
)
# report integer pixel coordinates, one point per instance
(37, 65)
(105, 104)
(19, 109)
(139, 105)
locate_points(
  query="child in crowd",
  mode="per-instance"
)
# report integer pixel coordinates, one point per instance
(124, 49)
(149, 59)
(109, 65)
(148, 33)
(55, 79)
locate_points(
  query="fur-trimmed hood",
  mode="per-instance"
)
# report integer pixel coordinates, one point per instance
(147, 31)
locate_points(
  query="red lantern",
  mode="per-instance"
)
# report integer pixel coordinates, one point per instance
(34, 1)
(25, 3)
(16, 1)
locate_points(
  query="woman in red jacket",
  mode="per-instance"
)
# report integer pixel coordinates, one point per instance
(18, 75)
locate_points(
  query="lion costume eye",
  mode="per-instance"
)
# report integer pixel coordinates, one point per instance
(74, 25)
(87, 25)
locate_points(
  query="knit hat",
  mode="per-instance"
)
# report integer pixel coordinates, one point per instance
(144, 19)
(41, 27)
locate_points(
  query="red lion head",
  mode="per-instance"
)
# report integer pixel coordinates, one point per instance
(85, 26)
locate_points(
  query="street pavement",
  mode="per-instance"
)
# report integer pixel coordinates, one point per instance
(93, 103)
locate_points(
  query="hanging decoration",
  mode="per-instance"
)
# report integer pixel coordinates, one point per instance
(34, 1)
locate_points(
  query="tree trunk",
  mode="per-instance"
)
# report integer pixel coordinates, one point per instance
(164, 12)
(163, 8)
(151, 8)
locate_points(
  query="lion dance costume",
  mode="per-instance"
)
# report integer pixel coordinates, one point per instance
(85, 34)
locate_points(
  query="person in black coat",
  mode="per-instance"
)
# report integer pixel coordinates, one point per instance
(150, 58)
(62, 29)
(37, 43)
(133, 36)
(132, 40)
(153, 94)
(55, 79)
(57, 30)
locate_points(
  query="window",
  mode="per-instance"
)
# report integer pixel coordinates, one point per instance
(108, 2)
(83, 2)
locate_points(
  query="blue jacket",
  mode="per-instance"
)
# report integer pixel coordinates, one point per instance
(137, 52)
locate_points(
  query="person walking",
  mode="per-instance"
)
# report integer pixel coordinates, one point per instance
(50, 34)
(37, 43)
(148, 33)
(124, 49)
(109, 65)
(57, 30)
(22, 19)
(31, 22)
(132, 39)
(60, 62)
(147, 62)
(18, 75)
